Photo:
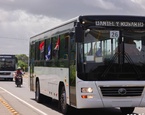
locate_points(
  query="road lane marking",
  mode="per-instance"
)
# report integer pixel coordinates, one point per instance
(8, 107)
(24, 102)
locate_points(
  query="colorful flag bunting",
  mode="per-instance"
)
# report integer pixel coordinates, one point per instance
(41, 46)
(49, 53)
(57, 44)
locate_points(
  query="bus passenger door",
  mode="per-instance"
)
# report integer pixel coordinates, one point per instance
(72, 80)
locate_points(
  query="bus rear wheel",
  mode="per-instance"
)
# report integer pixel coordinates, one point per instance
(127, 110)
(38, 96)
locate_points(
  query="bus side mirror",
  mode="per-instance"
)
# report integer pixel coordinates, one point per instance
(79, 34)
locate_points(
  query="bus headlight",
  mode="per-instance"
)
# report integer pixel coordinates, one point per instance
(87, 90)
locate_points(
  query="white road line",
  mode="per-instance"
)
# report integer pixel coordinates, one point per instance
(24, 102)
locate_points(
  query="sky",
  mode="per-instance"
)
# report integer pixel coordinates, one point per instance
(22, 19)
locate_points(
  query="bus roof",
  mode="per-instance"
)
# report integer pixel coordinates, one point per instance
(64, 23)
(6, 56)
(114, 17)
(94, 17)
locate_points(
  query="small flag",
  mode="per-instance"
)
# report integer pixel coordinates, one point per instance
(49, 53)
(41, 46)
(57, 44)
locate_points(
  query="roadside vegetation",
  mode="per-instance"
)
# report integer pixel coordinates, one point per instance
(23, 62)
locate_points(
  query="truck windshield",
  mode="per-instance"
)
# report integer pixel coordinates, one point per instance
(112, 54)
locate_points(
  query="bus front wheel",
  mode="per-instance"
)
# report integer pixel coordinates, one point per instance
(63, 101)
(127, 110)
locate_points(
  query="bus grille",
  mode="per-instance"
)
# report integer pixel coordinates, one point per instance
(5, 73)
(121, 91)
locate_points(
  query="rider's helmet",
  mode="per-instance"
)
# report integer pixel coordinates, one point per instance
(18, 68)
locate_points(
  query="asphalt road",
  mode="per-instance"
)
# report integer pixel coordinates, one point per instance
(20, 101)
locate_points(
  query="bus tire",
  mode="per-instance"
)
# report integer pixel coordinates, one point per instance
(64, 107)
(38, 96)
(127, 110)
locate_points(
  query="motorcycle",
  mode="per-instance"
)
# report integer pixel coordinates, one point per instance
(18, 80)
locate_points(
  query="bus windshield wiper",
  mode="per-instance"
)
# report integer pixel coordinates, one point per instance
(110, 64)
(127, 57)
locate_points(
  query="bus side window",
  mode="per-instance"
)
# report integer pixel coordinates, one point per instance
(55, 47)
(64, 43)
(41, 48)
(67, 37)
(72, 48)
(37, 51)
(48, 49)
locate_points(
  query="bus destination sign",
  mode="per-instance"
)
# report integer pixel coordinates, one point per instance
(119, 24)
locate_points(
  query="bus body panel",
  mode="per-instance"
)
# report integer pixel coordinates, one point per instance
(142, 104)
(94, 102)
(99, 101)
(49, 79)
(123, 100)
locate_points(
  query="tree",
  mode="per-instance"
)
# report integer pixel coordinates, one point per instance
(23, 61)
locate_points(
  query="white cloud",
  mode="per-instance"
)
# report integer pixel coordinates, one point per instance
(20, 20)
(101, 4)
(141, 3)
(18, 26)
(137, 1)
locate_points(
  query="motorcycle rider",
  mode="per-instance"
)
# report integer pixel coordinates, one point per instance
(18, 72)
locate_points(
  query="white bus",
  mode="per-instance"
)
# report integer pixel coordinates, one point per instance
(85, 63)
(8, 64)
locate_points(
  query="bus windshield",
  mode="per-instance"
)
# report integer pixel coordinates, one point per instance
(110, 54)
(7, 64)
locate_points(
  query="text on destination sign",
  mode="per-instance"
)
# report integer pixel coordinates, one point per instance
(119, 24)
